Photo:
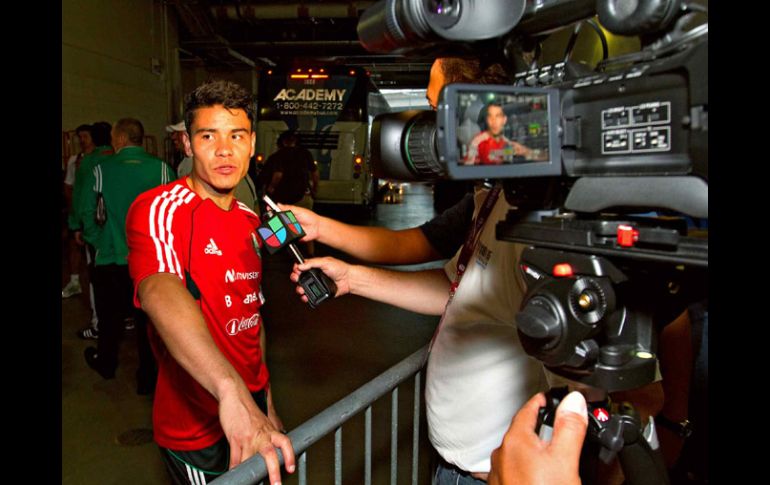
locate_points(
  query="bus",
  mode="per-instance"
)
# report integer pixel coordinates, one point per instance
(327, 108)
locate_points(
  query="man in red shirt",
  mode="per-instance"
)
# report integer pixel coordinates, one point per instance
(195, 262)
(491, 147)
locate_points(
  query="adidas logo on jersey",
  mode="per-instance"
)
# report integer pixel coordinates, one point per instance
(211, 248)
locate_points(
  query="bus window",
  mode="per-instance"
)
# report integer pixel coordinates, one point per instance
(328, 112)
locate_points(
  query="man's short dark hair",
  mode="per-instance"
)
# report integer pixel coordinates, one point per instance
(459, 70)
(217, 92)
(83, 128)
(288, 138)
(100, 133)
(132, 128)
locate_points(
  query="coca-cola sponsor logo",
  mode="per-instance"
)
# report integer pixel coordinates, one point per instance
(240, 324)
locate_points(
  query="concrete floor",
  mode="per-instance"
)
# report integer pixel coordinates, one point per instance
(316, 357)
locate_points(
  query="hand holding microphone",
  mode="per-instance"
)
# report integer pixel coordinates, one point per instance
(280, 230)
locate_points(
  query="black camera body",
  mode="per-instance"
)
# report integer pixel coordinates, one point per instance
(620, 152)
(604, 147)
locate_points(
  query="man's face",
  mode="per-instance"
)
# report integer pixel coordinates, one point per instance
(178, 139)
(495, 120)
(86, 143)
(221, 145)
(437, 81)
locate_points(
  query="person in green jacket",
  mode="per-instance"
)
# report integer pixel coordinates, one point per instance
(100, 136)
(115, 183)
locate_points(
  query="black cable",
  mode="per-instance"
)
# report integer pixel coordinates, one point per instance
(572, 40)
(602, 37)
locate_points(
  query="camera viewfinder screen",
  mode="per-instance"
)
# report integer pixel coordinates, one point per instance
(502, 128)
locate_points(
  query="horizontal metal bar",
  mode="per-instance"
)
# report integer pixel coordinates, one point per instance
(312, 430)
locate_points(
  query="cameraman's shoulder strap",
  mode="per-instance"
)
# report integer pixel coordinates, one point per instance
(471, 241)
(472, 238)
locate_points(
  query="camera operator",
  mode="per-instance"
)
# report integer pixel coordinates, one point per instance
(478, 373)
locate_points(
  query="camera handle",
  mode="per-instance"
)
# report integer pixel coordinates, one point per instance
(613, 430)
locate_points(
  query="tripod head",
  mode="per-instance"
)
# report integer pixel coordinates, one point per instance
(599, 292)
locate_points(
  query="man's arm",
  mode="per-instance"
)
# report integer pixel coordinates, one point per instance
(367, 243)
(423, 292)
(183, 329)
(87, 209)
(275, 179)
(314, 179)
(472, 157)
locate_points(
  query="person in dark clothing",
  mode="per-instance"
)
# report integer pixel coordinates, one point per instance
(290, 175)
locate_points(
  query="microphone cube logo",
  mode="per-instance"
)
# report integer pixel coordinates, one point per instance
(279, 230)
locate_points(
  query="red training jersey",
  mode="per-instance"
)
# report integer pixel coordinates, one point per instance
(484, 149)
(215, 253)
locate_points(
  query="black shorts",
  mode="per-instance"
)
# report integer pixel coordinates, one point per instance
(199, 467)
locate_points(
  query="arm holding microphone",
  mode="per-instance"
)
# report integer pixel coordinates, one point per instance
(367, 243)
(423, 292)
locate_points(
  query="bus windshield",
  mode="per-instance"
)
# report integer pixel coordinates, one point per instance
(326, 107)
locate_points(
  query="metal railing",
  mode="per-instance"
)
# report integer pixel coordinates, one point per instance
(332, 418)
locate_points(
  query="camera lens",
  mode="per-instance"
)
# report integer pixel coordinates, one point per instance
(444, 13)
(403, 146)
(393, 25)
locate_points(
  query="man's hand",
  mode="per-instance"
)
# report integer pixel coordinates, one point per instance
(249, 431)
(309, 220)
(524, 459)
(79, 238)
(333, 268)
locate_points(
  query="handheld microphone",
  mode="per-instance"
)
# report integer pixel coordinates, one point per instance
(279, 230)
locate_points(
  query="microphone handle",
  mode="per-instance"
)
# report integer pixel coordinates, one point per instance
(296, 253)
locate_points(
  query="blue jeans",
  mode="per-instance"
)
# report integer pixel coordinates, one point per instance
(449, 475)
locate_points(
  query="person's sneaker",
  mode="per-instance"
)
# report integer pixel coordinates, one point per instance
(88, 333)
(72, 289)
(92, 359)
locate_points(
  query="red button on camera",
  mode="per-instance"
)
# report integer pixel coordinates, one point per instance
(627, 236)
(601, 415)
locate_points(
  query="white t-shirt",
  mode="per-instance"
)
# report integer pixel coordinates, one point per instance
(69, 176)
(184, 167)
(478, 373)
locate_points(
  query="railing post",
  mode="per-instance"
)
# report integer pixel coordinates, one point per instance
(368, 446)
(416, 428)
(338, 456)
(394, 436)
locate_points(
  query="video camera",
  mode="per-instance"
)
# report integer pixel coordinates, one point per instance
(620, 152)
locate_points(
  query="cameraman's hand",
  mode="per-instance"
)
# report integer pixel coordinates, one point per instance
(333, 268)
(309, 220)
(523, 458)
